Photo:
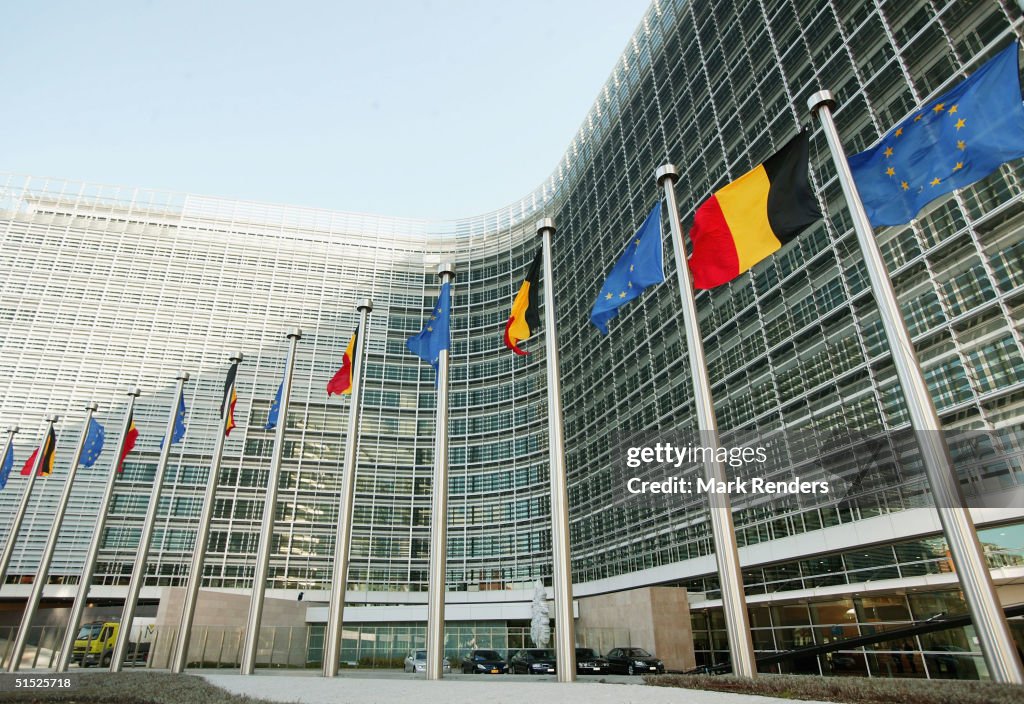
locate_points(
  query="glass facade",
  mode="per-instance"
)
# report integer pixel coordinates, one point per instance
(106, 287)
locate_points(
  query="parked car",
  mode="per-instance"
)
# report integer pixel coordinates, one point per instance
(416, 661)
(484, 662)
(533, 661)
(589, 662)
(634, 661)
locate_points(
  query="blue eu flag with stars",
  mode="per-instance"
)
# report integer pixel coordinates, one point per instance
(275, 409)
(950, 142)
(436, 334)
(179, 422)
(639, 266)
(7, 466)
(93, 444)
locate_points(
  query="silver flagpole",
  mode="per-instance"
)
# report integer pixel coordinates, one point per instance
(439, 512)
(259, 585)
(19, 515)
(968, 558)
(734, 603)
(565, 629)
(335, 619)
(146, 537)
(43, 572)
(81, 597)
(195, 573)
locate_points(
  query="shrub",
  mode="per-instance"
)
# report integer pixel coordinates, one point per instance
(375, 663)
(851, 690)
(132, 688)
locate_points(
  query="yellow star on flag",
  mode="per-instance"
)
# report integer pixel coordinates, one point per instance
(959, 165)
(899, 132)
(904, 185)
(888, 152)
(936, 181)
(961, 144)
(918, 118)
(940, 107)
(622, 295)
(960, 123)
(952, 110)
(608, 297)
(430, 328)
(890, 171)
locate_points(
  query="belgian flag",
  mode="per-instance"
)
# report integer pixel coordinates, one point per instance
(753, 216)
(129, 441)
(524, 319)
(227, 404)
(46, 465)
(341, 382)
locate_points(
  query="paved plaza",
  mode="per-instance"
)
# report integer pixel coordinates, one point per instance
(389, 688)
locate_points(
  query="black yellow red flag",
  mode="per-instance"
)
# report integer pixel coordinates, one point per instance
(341, 382)
(48, 448)
(525, 318)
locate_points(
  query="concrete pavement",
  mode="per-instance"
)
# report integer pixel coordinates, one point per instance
(377, 687)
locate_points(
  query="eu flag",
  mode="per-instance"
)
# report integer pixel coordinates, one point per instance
(639, 266)
(275, 409)
(179, 422)
(436, 335)
(7, 465)
(951, 142)
(93, 444)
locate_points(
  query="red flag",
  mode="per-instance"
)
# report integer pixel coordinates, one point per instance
(341, 383)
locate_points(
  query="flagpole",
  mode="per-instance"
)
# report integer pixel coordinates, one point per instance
(195, 573)
(19, 515)
(439, 512)
(565, 628)
(146, 537)
(43, 572)
(81, 597)
(968, 558)
(734, 603)
(259, 584)
(335, 618)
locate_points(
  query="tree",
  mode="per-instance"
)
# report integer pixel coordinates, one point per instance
(540, 626)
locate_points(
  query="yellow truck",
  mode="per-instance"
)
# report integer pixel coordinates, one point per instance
(95, 641)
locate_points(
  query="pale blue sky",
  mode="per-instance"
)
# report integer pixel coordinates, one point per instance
(427, 108)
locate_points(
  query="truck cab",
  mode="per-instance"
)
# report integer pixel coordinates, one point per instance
(94, 645)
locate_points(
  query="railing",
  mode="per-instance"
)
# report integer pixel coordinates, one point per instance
(153, 647)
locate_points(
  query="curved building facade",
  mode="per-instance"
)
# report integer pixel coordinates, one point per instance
(106, 287)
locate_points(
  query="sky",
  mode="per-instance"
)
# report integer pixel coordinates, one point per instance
(417, 108)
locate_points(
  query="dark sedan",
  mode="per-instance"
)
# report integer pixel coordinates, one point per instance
(634, 661)
(534, 661)
(589, 662)
(484, 662)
